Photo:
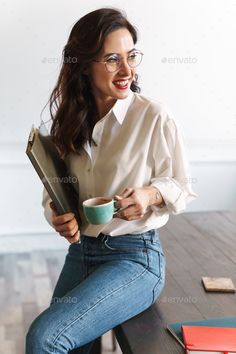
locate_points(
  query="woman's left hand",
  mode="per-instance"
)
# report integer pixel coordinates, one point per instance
(135, 201)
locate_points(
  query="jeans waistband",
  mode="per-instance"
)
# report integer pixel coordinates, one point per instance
(151, 235)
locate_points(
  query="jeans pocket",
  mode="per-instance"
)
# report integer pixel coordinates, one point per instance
(158, 288)
(156, 265)
(156, 262)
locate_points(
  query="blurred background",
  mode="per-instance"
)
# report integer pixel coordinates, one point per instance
(189, 65)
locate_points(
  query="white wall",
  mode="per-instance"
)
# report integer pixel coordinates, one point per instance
(189, 64)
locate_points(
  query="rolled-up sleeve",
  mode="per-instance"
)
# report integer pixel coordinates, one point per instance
(172, 175)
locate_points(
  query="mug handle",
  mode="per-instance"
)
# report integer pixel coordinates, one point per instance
(117, 210)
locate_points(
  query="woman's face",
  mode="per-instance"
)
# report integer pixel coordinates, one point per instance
(107, 86)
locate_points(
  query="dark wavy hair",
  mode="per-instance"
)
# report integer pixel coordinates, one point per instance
(72, 105)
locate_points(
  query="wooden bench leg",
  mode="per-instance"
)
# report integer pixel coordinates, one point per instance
(97, 346)
(122, 340)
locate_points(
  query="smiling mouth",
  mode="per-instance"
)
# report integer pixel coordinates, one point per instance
(121, 84)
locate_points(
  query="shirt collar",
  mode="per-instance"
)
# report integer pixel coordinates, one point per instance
(121, 107)
(119, 110)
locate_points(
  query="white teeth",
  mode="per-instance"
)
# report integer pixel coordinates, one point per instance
(121, 83)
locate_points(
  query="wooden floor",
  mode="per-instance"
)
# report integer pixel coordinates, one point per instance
(27, 279)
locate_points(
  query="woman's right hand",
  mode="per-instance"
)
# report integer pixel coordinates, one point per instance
(66, 225)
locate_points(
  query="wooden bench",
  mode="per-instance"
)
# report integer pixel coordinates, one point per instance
(196, 245)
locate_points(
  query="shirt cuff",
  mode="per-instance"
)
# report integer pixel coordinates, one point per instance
(174, 196)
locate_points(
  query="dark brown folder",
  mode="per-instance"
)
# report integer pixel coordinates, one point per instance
(53, 173)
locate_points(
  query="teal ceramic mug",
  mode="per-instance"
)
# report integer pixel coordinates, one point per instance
(99, 210)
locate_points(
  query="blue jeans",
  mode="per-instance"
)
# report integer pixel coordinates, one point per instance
(104, 282)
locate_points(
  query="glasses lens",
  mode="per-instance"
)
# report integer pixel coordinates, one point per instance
(113, 63)
(134, 59)
(111, 67)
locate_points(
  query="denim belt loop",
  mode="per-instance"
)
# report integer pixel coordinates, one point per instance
(156, 235)
(147, 236)
(103, 238)
(100, 236)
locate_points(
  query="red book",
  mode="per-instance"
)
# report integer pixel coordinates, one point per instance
(209, 340)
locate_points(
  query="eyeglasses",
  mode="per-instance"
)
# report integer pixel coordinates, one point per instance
(113, 62)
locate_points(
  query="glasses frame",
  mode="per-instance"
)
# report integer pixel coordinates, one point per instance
(121, 58)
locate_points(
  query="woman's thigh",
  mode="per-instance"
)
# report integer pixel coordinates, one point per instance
(71, 275)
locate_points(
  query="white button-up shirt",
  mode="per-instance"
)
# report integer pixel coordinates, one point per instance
(137, 144)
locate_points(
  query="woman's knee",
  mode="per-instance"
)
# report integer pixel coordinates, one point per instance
(37, 338)
(46, 335)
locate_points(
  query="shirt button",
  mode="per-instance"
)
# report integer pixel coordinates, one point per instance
(89, 169)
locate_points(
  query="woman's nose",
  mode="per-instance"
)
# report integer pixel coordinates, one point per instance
(124, 68)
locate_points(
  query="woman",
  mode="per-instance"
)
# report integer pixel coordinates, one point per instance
(116, 143)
